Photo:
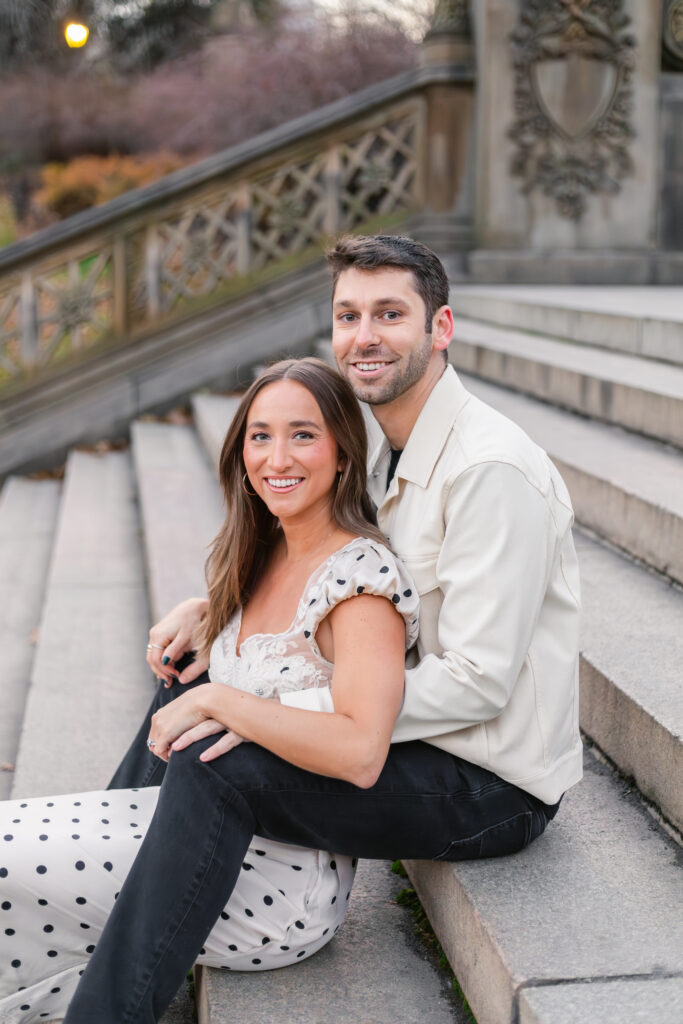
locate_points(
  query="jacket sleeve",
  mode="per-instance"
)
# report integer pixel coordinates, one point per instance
(493, 570)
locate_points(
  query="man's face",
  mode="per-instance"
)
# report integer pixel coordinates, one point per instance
(378, 333)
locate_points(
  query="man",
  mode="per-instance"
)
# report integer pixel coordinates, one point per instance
(482, 521)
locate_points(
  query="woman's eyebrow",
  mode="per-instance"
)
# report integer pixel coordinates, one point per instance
(261, 424)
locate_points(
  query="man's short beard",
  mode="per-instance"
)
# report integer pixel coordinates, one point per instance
(413, 371)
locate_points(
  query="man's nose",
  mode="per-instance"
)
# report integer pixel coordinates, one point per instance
(366, 333)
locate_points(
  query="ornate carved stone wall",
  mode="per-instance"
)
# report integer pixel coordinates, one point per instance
(568, 148)
(573, 65)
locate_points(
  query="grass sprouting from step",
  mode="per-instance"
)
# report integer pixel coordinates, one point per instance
(423, 930)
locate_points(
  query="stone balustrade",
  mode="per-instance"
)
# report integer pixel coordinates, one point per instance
(158, 255)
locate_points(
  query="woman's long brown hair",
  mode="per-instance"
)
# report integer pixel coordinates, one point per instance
(241, 550)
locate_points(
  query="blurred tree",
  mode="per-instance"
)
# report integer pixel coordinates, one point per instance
(128, 35)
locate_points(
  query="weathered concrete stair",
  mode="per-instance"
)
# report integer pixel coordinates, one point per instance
(588, 904)
(28, 514)
(181, 511)
(641, 321)
(640, 394)
(89, 681)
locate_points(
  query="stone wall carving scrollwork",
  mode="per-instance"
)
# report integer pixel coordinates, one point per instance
(573, 62)
(673, 33)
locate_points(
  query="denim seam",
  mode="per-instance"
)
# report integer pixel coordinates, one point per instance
(454, 843)
(469, 794)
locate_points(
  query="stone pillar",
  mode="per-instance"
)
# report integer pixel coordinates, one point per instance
(446, 222)
(449, 37)
(567, 124)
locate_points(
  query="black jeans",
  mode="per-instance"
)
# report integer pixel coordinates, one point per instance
(426, 804)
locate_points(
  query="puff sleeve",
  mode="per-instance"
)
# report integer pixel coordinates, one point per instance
(362, 567)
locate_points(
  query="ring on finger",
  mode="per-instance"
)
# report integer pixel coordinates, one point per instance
(158, 647)
(150, 744)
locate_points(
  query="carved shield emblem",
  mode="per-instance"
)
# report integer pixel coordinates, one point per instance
(573, 62)
(574, 92)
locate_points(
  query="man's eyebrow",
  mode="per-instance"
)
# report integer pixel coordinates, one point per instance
(391, 300)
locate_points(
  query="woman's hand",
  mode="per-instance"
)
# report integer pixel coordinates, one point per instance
(186, 720)
(176, 718)
(172, 637)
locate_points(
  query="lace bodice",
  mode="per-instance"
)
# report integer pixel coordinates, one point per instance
(273, 664)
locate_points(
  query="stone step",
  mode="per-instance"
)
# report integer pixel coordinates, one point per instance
(642, 395)
(90, 683)
(181, 511)
(588, 913)
(183, 1009)
(28, 517)
(626, 488)
(373, 972)
(631, 655)
(212, 416)
(642, 321)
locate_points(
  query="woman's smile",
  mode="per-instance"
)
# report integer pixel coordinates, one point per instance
(283, 484)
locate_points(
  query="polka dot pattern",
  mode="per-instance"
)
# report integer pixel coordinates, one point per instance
(52, 910)
(64, 860)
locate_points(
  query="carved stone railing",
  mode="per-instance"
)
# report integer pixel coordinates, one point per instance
(115, 274)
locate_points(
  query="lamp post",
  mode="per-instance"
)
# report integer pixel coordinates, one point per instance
(76, 34)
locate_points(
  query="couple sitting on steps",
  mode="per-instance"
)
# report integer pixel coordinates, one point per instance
(313, 730)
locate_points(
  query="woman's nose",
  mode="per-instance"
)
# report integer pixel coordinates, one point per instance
(280, 455)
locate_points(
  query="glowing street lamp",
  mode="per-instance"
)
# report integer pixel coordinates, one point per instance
(76, 34)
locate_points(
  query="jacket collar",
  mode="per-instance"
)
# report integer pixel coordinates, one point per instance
(427, 438)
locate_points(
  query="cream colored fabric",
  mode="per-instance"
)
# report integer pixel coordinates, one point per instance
(482, 521)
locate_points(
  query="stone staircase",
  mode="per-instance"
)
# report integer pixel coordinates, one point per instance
(585, 925)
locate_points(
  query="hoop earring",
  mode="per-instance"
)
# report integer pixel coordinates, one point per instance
(252, 494)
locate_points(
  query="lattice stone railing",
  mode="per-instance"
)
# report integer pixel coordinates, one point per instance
(141, 262)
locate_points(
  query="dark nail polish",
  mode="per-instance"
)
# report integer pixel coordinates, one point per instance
(165, 660)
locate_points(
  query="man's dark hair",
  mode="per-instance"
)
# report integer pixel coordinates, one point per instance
(377, 252)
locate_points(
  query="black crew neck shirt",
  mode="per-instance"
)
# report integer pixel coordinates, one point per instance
(396, 454)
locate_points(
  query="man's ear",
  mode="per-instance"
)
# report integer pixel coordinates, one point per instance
(442, 328)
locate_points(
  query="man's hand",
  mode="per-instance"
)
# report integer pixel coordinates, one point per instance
(209, 727)
(172, 637)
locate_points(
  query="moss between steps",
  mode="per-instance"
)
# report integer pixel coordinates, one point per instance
(423, 930)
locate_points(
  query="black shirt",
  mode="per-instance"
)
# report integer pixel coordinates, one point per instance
(393, 463)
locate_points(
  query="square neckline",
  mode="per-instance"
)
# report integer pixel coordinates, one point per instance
(307, 585)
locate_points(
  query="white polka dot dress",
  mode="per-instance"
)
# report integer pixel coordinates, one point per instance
(63, 859)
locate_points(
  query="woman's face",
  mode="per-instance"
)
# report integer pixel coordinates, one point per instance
(290, 455)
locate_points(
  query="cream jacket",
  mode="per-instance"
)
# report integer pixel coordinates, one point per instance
(482, 521)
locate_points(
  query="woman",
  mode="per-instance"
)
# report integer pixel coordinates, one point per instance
(302, 594)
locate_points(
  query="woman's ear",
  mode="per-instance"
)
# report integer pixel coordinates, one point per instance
(342, 461)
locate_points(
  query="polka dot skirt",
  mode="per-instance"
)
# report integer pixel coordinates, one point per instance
(63, 860)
